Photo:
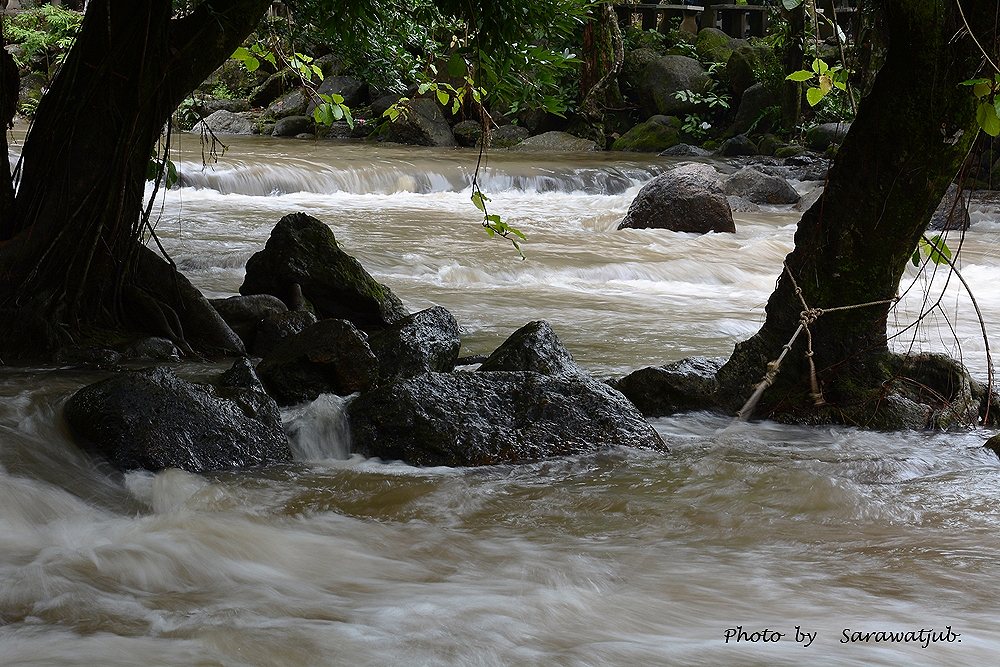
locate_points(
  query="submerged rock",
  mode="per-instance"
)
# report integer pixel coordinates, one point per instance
(486, 418)
(760, 188)
(687, 198)
(533, 347)
(422, 342)
(151, 419)
(684, 385)
(331, 356)
(303, 252)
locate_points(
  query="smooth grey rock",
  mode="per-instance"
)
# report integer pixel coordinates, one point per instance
(422, 123)
(687, 198)
(822, 136)
(226, 122)
(555, 142)
(293, 103)
(294, 126)
(760, 188)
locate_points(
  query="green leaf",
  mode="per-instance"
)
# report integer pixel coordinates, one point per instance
(975, 82)
(982, 89)
(317, 71)
(456, 66)
(336, 99)
(791, 4)
(801, 75)
(337, 112)
(938, 250)
(456, 105)
(915, 259)
(241, 54)
(814, 96)
(479, 199)
(172, 176)
(423, 88)
(443, 97)
(820, 66)
(348, 117)
(988, 119)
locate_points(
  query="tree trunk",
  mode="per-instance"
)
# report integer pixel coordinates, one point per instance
(791, 60)
(908, 141)
(70, 251)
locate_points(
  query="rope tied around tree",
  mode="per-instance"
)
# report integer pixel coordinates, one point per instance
(807, 317)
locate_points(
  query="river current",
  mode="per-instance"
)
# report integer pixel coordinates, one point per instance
(618, 558)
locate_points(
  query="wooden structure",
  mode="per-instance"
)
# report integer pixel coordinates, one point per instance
(736, 20)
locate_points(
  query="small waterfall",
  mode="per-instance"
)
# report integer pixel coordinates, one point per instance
(319, 430)
(268, 180)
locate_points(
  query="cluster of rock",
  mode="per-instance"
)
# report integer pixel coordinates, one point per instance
(323, 325)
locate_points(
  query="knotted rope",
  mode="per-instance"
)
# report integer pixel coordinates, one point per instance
(807, 317)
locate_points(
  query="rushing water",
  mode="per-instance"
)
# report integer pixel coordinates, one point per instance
(618, 558)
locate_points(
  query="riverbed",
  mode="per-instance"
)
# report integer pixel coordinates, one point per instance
(618, 558)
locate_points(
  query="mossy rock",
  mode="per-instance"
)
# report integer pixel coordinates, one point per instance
(652, 136)
(302, 254)
(749, 65)
(769, 144)
(789, 150)
(714, 45)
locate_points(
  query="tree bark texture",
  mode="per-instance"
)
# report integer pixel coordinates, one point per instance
(69, 247)
(908, 141)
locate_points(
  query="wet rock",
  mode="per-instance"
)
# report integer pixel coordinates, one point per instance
(471, 419)
(738, 146)
(293, 103)
(293, 126)
(745, 65)
(303, 252)
(206, 107)
(807, 200)
(276, 327)
(468, 133)
(272, 88)
(151, 419)
(760, 188)
(822, 136)
(681, 386)
(742, 205)
(685, 150)
(226, 122)
(244, 313)
(555, 142)
(354, 91)
(993, 444)
(652, 136)
(331, 356)
(422, 124)
(714, 45)
(752, 112)
(652, 81)
(534, 347)
(687, 198)
(952, 213)
(425, 341)
(506, 136)
(152, 349)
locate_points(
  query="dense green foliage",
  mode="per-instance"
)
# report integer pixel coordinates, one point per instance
(43, 32)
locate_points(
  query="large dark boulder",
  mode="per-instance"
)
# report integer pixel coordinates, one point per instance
(421, 123)
(470, 419)
(752, 113)
(746, 66)
(422, 342)
(533, 347)
(303, 252)
(684, 385)
(244, 314)
(652, 81)
(331, 356)
(293, 126)
(760, 188)
(293, 103)
(151, 419)
(824, 135)
(652, 136)
(354, 91)
(468, 133)
(276, 327)
(687, 198)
